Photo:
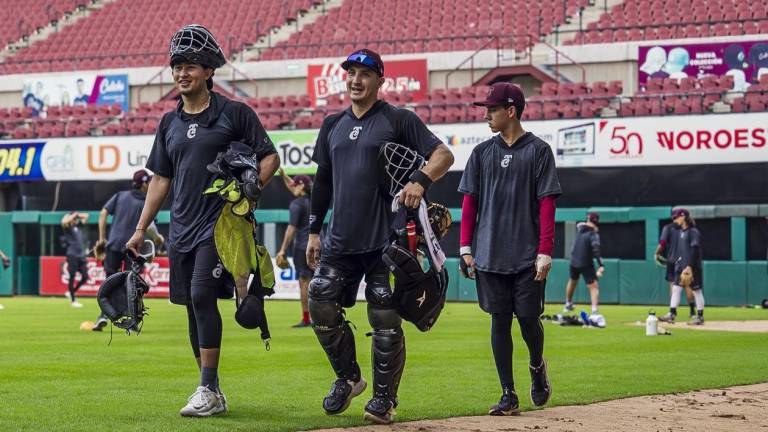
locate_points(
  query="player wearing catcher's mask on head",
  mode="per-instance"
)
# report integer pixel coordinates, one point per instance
(125, 208)
(586, 249)
(688, 267)
(187, 140)
(346, 153)
(665, 255)
(510, 185)
(298, 233)
(72, 240)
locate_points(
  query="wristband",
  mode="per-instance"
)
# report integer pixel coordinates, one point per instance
(465, 250)
(419, 177)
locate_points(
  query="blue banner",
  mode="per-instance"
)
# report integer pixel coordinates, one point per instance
(21, 161)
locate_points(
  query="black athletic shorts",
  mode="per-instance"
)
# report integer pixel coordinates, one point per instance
(76, 264)
(113, 262)
(588, 273)
(515, 293)
(353, 268)
(200, 268)
(670, 272)
(300, 263)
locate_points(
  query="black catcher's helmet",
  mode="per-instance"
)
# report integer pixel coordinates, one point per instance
(195, 44)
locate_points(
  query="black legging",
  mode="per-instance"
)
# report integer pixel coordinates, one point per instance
(501, 342)
(76, 265)
(203, 313)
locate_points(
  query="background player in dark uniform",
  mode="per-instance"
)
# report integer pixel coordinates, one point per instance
(586, 249)
(187, 140)
(125, 208)
(6, 266)
(509, 186)
(668, 246)
(687, 259)
(298, 233)
(346, 154)
(72, 239)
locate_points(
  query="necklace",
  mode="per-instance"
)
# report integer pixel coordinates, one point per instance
(207, 104)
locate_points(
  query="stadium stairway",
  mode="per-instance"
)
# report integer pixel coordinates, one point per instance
(284, 32)
(590, 14)
(68, 18)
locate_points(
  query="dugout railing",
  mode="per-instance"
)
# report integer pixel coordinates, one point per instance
(735, 273)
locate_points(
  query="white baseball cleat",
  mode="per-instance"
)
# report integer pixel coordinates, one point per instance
(203, 403)
(76, 304)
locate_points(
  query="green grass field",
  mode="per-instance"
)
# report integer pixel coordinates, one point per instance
(54, 377)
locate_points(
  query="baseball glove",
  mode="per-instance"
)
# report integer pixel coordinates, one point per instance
(439, 218)
(121, 298)
(282, 261)
(100, 250)
(686, 277)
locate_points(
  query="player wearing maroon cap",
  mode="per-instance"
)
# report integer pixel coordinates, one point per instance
(298, 233)
(509, 186)
(586, 249)
(125, 208)
(688, 268)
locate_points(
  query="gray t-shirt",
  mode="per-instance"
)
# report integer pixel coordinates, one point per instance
(361, 216)
(508, 182)
(73, 241)
(298, 216)
(184, 145)
(587, 239)
(125, 208)
(670, 235)
(688, 239)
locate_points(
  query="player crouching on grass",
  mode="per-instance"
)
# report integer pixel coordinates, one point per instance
(509, 186)
(187, 140)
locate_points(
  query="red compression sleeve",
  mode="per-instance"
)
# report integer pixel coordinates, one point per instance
(546, 225)
(468, 220)
(663, 244)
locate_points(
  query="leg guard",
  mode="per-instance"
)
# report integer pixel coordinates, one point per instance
(387, 351)
(332, 330)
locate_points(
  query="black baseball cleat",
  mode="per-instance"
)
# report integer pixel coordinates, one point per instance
(541, 390)
(100, 324)
(508, 404)
(341, 394)
(668, 318)
(379, 410)
(302, 324)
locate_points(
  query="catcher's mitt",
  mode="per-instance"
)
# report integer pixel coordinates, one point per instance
(6, 262)
(439, 218)
(282, 261)
(686, 277)
(100, 250)
(121, 296)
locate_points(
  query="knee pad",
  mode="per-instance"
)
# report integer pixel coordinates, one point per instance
(327, 285)
(384, 318)
(377, 289)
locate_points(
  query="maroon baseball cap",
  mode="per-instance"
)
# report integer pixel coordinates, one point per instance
(367, 58)
(680, 212)
(504, 94)
(593, 217)
(141, 176)
(304, 180)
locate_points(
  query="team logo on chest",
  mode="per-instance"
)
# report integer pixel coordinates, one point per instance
(192, 131)
(507, 159)
(355, 132)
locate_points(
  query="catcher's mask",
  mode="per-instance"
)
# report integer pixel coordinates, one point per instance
(419, 294)
(121, 296)
(237, 172)
(396, 164)
(194, 43)
(250, 309)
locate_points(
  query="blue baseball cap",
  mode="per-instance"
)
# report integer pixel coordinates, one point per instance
(367, 58)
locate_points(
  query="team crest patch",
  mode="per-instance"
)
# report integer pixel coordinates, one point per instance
(355, 132)
(507, 159)
(192, 131)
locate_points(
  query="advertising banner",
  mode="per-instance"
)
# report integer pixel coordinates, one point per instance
(400, 76)
(745, 61)
(78, 89)
(54, 277)
(21, 161)
(609, 142)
